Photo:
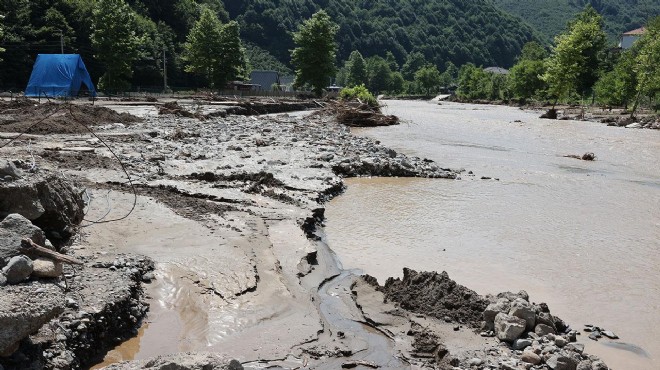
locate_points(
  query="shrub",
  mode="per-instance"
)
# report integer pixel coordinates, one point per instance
(359, 93)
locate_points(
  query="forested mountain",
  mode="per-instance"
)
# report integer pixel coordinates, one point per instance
(459, 31)
(551, 16)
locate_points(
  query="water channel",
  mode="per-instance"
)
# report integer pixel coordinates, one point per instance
(582, 236)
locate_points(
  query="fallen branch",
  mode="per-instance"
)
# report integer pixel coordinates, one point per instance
(36, 249)
(352, 364)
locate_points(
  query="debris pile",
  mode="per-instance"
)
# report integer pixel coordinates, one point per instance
(358, 115)
(31, 117)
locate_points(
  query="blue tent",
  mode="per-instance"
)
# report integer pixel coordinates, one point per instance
(58, 75)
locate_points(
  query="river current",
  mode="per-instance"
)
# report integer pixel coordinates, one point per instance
(582, 236)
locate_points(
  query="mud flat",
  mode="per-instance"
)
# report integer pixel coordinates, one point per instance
(231, 212)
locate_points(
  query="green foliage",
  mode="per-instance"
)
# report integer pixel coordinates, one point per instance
(526, 80)
(442, 30)
(2, 18)
(260, 59)
(474, 83)
(618, 87)
(533, 51)
(315, 52)
(115, 42)
(414, 62)
(356, 70)
(214, 50)
(378, 75)
(359, 93)
(648, 62)
(573, 66)
(428, 77)
(550, 17)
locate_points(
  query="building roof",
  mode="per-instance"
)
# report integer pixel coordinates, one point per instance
(497, 70)
(637, 32)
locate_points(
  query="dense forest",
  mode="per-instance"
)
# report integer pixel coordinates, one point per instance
(550, 17)
(440, 32)
(458, 31)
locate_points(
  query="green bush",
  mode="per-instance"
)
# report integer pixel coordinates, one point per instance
(360, 93)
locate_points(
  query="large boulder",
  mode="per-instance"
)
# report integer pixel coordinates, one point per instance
(25, 308)
(501, 306)
(13, 229)
(49, 201)
(558, 362)
(522, 309)
(508, 328)
(18, 269)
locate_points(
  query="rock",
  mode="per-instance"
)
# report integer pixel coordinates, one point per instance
(546, 318)
(558, 362)
(531, 358)
(3, 279)
(49, 201)
(13, 229)
(7, 168)
(18, 269)
(148, 277)
(508, 328)
(501, 306)
(522, 309)
(520, 344)
(46, 268)
(609, 334)
(598, 365)
(543, 329)
(22, 312)
(584, 365)
(475, 362)
(634, 125)
(595, 336)
(560, 341)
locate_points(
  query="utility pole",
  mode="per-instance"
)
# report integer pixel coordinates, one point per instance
(164, 71)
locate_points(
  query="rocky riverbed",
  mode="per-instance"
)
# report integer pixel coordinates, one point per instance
(228, 213)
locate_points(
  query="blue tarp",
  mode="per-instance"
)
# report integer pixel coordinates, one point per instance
(58, 75)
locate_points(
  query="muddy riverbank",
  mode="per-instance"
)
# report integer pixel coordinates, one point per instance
(231, 211)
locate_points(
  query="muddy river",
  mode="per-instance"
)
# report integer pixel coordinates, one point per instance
(582, 236)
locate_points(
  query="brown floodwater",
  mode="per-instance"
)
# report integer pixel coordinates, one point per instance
(582, 236)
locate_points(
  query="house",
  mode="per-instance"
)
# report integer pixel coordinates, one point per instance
(265, 79)
(629, 38)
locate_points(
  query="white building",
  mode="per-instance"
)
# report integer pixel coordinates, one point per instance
(629, 38)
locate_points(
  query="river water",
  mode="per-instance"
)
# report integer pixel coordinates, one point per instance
(582, 236)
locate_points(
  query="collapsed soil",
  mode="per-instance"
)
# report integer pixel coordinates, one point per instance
(30, 117)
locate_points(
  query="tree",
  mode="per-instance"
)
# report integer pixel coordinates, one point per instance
(378, 74)
(232, 55)
(214, 51)
(356, 70)
(414, 62)
(2, 18)
(526, 80)
(115, 42)
(391, 61)
(573, 66)
(397, 83)
(315, 52)
(533, 51)
(428, 77)
(473, 82)
(647, 62)
(618, 87)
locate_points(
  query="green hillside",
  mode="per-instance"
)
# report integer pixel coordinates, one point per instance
(459, 31)
(550, 16)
